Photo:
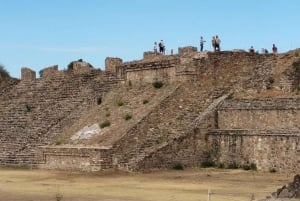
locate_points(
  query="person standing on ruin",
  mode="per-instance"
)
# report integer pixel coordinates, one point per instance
(155, 47)
(217, 43)
(251, 49)
(213, 43)
(161, 46)
(202, 41)
(274, 49)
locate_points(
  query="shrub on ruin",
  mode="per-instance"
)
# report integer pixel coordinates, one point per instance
(104, 124)
(178, 166)
(251, 166)
(271, 80)
(232, 165)
(59, 197)
(127, 116)
(58, 141)
(272, 170)
(28, 107)
(70, 65)
(145, 101)
(221, 165)
(207, 164)
(157, 84)
(231, 96)
(3, 72)
(99, 100)
(119, 102)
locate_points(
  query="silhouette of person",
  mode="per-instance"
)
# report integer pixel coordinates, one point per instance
(155, 47)
(213, 43)
(274, 49)
(161, 47)
(202, 41)
(251, 49)
(218, 42)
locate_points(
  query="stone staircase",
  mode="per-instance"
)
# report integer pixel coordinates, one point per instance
(170, 120)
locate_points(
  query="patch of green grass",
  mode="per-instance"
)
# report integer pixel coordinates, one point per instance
(207, 164)
(28, 107)
(178, 166)
(127, 116)
(157, 84)
(251, 166)
(232, 165)
(119, 102)
(231, 96)
(104, 124)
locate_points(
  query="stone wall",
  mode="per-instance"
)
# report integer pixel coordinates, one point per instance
(260, 114)
(111, 63)
(149, 71)
(269, 150)
(27, 74)
(85, 159)
(261, 131)
(50, 71)
(253, 71)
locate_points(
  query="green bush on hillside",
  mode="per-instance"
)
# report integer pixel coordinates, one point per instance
(3, 72)
(104, 124)
(157, 84)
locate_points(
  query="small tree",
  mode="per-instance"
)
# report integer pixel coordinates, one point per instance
(3, 72)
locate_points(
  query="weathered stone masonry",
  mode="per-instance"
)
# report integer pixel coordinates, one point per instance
(264, 132)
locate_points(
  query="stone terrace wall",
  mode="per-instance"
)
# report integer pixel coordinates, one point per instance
(261, 131)
(246, 70)
(33, 113)
(260, 114)
(85, 159)
(269, 149)
(241, 69)
(162, 68)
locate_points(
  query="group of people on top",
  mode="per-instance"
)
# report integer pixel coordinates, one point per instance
(215, 42)
(264, 51)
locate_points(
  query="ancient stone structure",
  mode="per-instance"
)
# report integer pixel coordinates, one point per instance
(264, 132)
(195, 122)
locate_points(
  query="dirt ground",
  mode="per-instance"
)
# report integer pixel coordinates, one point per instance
(171, 185)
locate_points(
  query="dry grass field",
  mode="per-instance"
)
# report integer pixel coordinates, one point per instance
(170, 185)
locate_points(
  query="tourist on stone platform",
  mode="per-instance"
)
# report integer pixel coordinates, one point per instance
(202, 41)
(161, 46)
(155, 47)
(274, 49)
(213, 43)
(264, 51)
(251, 49)
(218, 42)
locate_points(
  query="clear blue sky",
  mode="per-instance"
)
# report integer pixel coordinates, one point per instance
(41, 33)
